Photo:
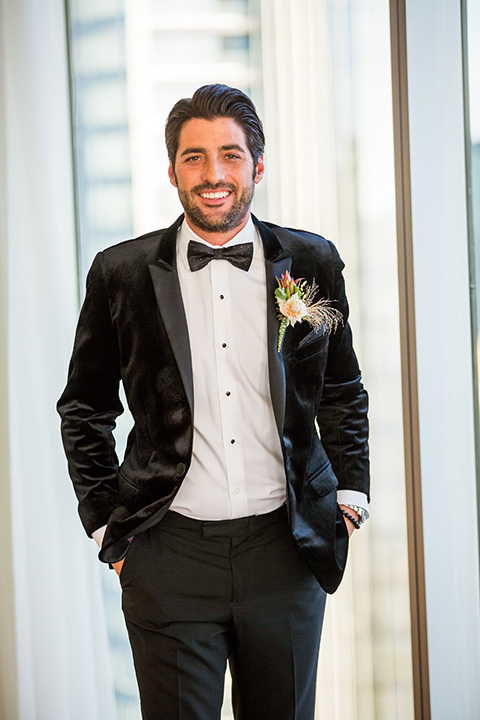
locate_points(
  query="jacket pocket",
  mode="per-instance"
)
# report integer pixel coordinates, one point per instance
(312, 344)
(128, 557)
(323, 480)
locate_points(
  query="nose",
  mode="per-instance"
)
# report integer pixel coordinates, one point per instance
(213, 171)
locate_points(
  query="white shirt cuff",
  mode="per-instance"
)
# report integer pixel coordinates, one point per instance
(353, 497)
(97, 535)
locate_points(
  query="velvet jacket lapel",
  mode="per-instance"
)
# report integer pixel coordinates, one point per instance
(170, 304)
(276, 263)
(169, 299)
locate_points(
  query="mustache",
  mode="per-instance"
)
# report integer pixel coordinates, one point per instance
(208, 187)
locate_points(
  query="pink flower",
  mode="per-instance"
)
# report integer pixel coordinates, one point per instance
(294, 309)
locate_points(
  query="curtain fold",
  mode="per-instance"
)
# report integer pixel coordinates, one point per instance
(298, 94)
(63, 665)
(329, 161)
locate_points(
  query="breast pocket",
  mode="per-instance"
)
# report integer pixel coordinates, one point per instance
(315, 342)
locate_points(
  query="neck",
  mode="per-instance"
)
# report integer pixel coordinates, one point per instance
(218, 238)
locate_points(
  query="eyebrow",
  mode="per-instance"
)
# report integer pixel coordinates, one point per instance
(233, 146)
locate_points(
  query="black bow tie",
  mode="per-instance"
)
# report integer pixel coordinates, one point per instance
(199, 255)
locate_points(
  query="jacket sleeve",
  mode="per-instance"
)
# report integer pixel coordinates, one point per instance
(90, 405)
(342, 416)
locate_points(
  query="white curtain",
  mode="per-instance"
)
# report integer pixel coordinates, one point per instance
(62, 661)
(329, 160)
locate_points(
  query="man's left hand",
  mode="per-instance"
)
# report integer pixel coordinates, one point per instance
(349, 524)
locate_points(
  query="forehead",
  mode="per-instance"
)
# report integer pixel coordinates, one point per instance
(211, 134)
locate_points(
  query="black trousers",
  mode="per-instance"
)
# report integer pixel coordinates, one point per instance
(198, 594)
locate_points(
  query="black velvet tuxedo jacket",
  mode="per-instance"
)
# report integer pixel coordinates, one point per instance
(132, 328)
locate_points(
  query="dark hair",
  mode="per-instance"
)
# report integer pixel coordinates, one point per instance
(210, 102)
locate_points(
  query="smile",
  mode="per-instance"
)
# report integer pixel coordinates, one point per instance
(215, 195)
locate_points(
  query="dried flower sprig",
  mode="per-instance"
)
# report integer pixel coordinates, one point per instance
(296, 302)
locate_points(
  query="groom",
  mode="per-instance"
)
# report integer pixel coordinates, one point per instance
(250, 426)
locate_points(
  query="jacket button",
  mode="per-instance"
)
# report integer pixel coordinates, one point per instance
(181, 467)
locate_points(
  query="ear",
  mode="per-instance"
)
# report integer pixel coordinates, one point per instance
(259, 170)
(171, 175)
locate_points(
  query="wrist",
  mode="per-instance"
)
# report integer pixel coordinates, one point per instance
(356, 511)
(352, 518)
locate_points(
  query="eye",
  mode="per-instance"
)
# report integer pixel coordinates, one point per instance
(192, 158)
(232, 156)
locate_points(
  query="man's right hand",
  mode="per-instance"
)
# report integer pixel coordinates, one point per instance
(118, 566)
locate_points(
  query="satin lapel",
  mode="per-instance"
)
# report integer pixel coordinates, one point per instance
(276, 263)
(275, 359)
(169, 300)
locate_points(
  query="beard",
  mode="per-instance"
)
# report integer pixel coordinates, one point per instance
(223, 222)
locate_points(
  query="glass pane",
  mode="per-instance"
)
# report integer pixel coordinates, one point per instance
(361, 80)
(124, 84)
(473, 21)
(328, 103)
(472, 92)
(320, 76)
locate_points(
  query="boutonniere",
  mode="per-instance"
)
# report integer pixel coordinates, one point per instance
(296, 302)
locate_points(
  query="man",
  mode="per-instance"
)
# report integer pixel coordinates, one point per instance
(224, 509)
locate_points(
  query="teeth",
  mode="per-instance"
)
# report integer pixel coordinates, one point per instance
(215, 195)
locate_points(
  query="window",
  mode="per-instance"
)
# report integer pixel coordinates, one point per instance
(319, 74)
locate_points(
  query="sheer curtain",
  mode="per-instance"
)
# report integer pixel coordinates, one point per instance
(329, 162)
(62, 664)
(8, 680)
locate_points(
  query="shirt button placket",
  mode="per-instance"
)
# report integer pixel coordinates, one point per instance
(225, 352)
